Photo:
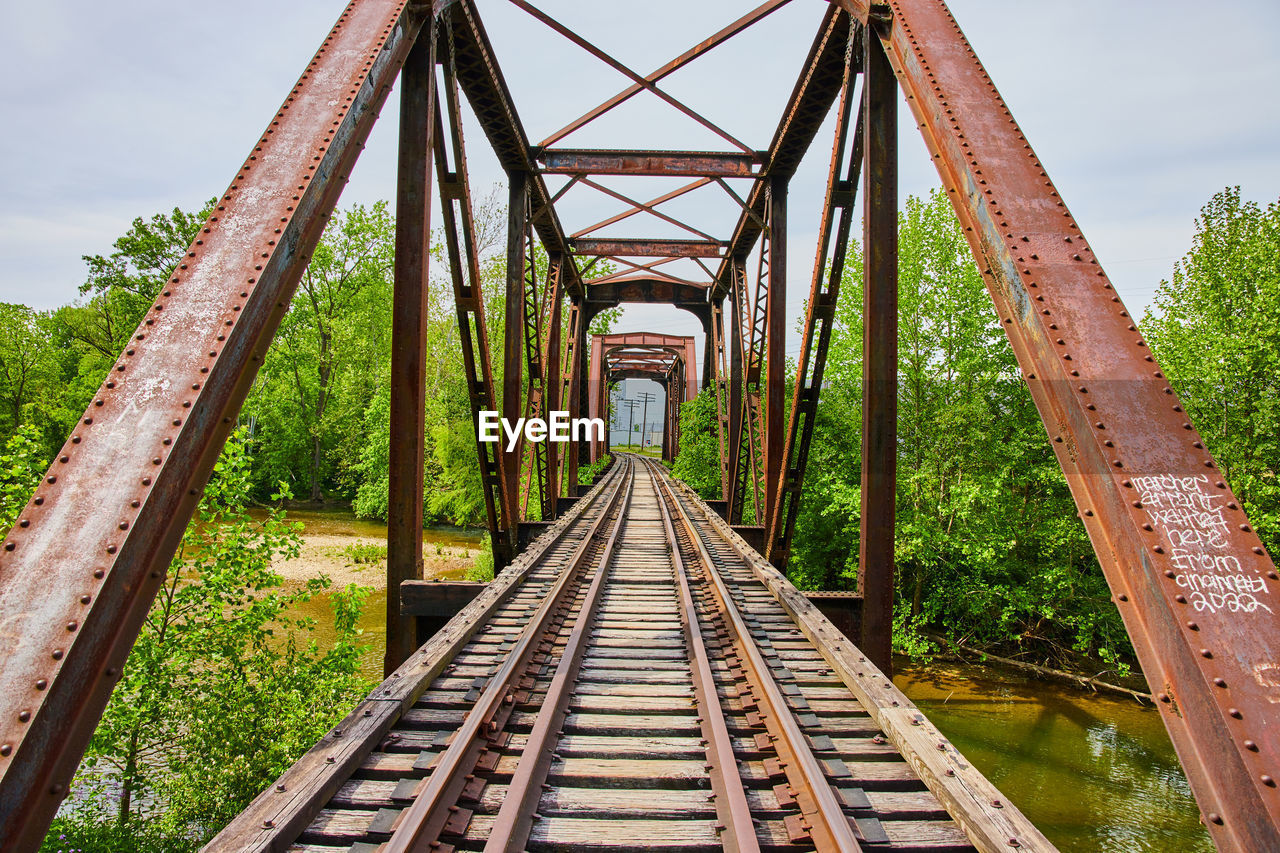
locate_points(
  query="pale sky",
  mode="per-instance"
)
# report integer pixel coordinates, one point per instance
(1139, 110)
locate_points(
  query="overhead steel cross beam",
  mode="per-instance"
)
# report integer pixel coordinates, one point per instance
(82, 566)
(490, 99)
(815, 91)
(625, 71)
(1166, 527)
(671, 67)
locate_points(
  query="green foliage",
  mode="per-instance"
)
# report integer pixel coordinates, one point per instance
(587, 473)
(360, 553)
(482, 570)
(224, 688)
(1215, 329)
(698, 462)
(988, 547)
(21, 463)
(86, 832)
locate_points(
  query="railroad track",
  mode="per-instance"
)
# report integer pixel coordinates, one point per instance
(637, 680)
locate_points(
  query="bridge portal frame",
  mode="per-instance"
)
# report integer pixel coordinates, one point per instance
(80, 569)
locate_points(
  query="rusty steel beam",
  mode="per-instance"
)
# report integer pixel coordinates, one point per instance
(613, 63)
(674, 65)
(83, 564)
(685, 164)
(815, 91)
(513, 342)
(458, 225)
(636, 248)
(552, 347)
(490, 99)
(824, 292)
(775, 343)
(719, 379)
(648, 290)
(409, 343)
(879, 356)
(1167, 529)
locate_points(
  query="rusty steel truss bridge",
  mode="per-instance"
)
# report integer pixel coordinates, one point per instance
(640, 674)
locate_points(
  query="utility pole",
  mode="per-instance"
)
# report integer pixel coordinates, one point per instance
(631, 416)
(647, 396)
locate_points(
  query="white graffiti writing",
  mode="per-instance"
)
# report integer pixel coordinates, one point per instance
(1191, 518)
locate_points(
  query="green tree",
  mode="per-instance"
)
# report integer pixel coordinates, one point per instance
(334, 334)
(28, 367)
(21, 464)
(1215, 328)
(698, 462)
(122, 285)
(987, 544)
(224, 687)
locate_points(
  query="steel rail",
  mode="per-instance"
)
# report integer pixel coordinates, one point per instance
(515, 818)
(420, 824)
(827, 823)
(726, 782)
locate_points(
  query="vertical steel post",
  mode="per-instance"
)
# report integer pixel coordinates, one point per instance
(551, 382)
(513, 335)
(575, 356)
(597, 406)
(409, 342)
(737, 305)
(879, 355)
(719, 371)
(775, 349)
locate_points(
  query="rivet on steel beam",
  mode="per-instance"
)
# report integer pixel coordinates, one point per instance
(1215, 818)
(1267, 780)
(1220, 683)
(23, 716)
(1205, 653)
(9, 546)
(71, 626)
(1193, 626)
(1251, 746)
(1235, 713)
(99, 573)
(5, 748)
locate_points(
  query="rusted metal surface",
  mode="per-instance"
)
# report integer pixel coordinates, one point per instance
(487, 93)
(726, 782)
(775, 346)
(419, 826)
(409, 341)
(635, 248)
(824, 291)
(103, 525)
(524, 792)
(878, 497)
(514, 334)
(816, 89)
(458, 225)
(690, 164)
(1195, 587)
(636, 78)
(824, 819)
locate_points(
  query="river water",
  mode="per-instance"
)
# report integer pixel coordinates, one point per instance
(1094, 773)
